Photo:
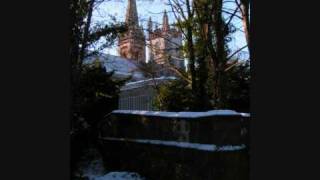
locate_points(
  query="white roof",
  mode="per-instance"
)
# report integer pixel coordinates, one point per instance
(122, 67)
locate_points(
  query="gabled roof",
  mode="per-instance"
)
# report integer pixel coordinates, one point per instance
(122, 67)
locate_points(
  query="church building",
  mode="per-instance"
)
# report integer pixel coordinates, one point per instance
(164, 46)
(160, 48)
(132, 43)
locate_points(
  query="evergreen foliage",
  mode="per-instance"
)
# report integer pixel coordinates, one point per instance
(175, 96)
(93, 92)
(213, 85)
(237, 89)
(97, 95)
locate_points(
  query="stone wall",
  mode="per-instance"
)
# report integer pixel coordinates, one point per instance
(218, 130)
(162, 162)
(156, 161)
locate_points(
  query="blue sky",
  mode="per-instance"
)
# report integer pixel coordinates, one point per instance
(153, 8)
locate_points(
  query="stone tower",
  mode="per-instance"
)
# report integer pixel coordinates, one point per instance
(149, 45)
(165, 43)
(132, 43)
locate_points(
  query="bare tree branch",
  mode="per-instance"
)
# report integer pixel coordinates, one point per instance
(231, 13)
(231, 17)
(237, 51)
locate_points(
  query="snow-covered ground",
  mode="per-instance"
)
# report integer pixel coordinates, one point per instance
(91, 167)
(182, 114)
(120, 176)
(196, 146)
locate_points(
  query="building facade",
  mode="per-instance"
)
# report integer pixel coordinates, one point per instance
(164, 42)
(164, 46)
(163, 51)
(139, 95)
(132, 43)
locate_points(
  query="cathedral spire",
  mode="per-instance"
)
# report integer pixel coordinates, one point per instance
(150, 26)
(132, 43)
(132, 15)
(165, 22)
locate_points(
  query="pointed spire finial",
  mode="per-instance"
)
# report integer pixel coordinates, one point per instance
(165, 22)
(132, 15)
(150, 25)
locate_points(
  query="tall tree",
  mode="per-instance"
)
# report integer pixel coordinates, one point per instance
(206, 30)
(220, 58)
(82, 35)
(202, 15)
(184, 14)
(92, 89)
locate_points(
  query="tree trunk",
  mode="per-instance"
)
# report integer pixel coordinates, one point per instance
(220, 52)
(191, 48)
(202, 13)
(244, 7)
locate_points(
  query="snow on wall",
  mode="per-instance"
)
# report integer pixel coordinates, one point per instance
(245, 114)
(196, 146)
(182, 114)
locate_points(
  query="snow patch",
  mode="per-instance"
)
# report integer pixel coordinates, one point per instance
(245, 114)
(121, 66)
(91, 165)
(182, 114)
(197, 146)
(94, 168)
(152, 79)
(120, 176)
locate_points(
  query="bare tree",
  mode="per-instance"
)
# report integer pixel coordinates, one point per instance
(186, 27)
(212, 31)
(205, 26)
